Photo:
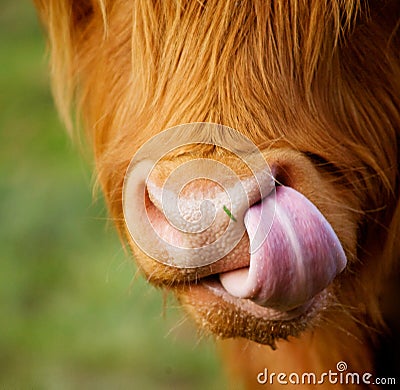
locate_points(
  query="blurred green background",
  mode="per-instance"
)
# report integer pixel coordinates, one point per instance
(72, 314)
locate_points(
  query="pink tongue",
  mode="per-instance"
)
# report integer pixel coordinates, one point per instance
(292, 262)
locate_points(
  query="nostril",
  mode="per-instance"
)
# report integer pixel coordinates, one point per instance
(282, 175)
(151, 195)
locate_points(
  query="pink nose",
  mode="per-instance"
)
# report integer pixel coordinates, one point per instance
(191, 220)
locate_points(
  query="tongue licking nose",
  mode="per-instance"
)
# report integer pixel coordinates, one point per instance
(298, 257)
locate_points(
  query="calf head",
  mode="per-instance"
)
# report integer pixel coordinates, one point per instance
(313, 86)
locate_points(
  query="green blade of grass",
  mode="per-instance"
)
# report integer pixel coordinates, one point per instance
(229, 214)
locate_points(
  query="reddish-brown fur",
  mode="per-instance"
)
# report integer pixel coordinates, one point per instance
(314, 84)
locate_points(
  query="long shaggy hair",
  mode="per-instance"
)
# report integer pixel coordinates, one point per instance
(313, 83)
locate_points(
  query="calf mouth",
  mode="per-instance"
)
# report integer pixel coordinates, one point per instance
(282, 278)
(256, 310)
(225, 316)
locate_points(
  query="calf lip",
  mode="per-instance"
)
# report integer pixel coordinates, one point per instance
(249, 307)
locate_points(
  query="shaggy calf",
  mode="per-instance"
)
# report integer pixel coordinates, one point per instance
(315, 86)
